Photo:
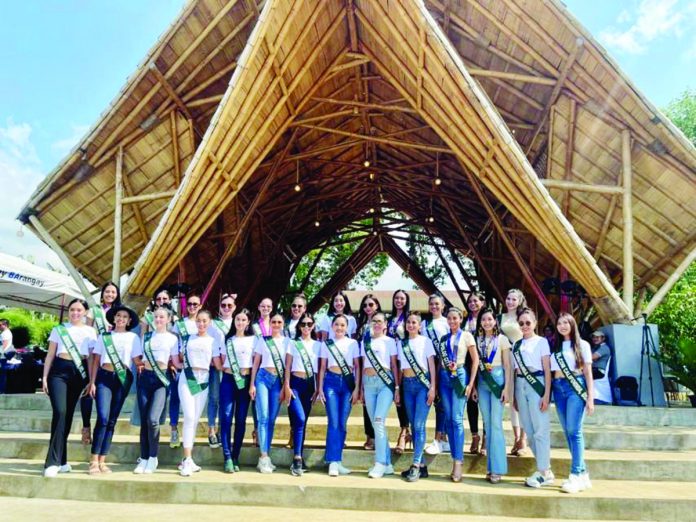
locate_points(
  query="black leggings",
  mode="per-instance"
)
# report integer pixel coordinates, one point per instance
(472, 413)
(86, 404)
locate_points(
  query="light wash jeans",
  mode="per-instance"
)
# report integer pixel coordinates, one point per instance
(453, 407)
(378, 400)
(213, 396)
(492, 412)
(338, 406)
(417, 408)
(267, 406)
(535, 423)
(571, 413)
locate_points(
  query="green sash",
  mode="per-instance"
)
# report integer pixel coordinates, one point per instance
(183, 332)
(234, 364)
(417, 369)
(338, 356)
(100, 320)
(275, 355)
(150, 320)
(459, 388)
(221, 325)
(533, 381)
(487, 375)
(193, 385)
(72, 349)
(147, 351)
(376, 364)
(114, 358)
(256, 328)
(306, 361)
(432, 334)
(570, 376)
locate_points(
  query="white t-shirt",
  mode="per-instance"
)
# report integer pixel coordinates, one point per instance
(325, 326)
(124, 343)
(6, 335)
(313, 348)
(261, 348)
(347, 347)
(569, 356)
(163, 346)
(226, 322)
(421, 348)
(384, 348)
(84, 337)
(243, 349)
(200, 350)
(439, 325)
(291, 328)
(532, 350)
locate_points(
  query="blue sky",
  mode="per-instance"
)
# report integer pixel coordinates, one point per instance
(64, 61)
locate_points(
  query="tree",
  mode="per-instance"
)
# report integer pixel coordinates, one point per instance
(682, 112)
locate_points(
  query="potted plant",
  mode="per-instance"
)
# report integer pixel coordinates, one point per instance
(682, 364)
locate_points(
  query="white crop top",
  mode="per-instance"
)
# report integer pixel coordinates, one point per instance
(124, 343)
(84, 337)
(348, 347)
(261, 348)
(200, 350)
(313, 348)
(532, 351)
(163, 345)
(325, 326)
(421, 348)
(569, 356)
(243, 349)
(384, 348)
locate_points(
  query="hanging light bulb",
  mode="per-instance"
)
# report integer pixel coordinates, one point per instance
(372, 176)
(374, 232)
(438, 181)
(372, 210)
(431, 219)
(298, 187)
(317, 224)
(366, 163)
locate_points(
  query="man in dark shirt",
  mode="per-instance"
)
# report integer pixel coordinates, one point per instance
(600, 354)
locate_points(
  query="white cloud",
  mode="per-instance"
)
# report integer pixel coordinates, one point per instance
(651, 20)
(62, 147)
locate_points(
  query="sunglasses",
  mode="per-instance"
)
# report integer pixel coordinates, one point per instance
(368, 305)
(377, 321)
(160, 299)
(306, 324)
(227, 305)
(193, 304)
(524, 323)
(296, 305)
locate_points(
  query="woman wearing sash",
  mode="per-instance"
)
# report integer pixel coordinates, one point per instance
(235, 360)
(195, 353)
(494, 390)
(338, 387)
(435, 329)
(380, 384)
(96, 317)
(396, 329)
(158, 349)
(110, 380)
(262, 326)
(64, 379)
(417, 358)
(301, 361)
(267, 376)
(532, 394)
(507, 322)
(474, 303)
(455, 385)
(297, 309)
(571, 364)
(339, 304)
(369, 306)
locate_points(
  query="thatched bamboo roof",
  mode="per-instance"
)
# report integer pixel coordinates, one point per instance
(237, 101)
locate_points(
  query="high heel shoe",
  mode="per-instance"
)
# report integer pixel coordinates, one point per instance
(483, 452)
(255, 439)
(401, 443)
(475, 442)
(409, 439)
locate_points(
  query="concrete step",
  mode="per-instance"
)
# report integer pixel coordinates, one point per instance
(606, 437)
(615, 500)
(603, 465)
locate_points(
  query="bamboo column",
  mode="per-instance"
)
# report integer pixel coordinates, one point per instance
(627, 208)
(667, 285)
(118, 217)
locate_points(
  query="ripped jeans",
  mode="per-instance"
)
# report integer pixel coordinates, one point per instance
(378, 400)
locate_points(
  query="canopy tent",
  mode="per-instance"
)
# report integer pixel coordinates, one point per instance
(25, 285)
(503, 121)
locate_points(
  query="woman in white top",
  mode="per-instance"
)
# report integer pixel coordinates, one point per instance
(494, 390)
(396, 329)
(339, 304)
(301, 360)
(338, 387)
(417, 359)
(267, 375)
(158, 349)
(262, 326)
(532, 394)
(110, 380)
(64, 379)
(195, 354)
(369, 306)
(571, 364)
(235, 360)
(474, 304)
(380, 384)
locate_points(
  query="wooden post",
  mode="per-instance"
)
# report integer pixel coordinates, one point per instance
(46, 237)
(627, 205)
(118, 217)
(667, 286)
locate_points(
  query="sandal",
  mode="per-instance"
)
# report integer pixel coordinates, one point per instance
(401, 443)
(483, 451)
(515, 449)
(255, 438)
(409, 439)
(103, 468)
(369, 444)
(94, 468)
(456, 476)
(475, 442)
(86, 436)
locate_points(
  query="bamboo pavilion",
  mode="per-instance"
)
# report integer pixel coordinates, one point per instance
(255, 132)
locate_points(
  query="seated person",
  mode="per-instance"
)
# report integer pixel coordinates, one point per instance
(600, 354)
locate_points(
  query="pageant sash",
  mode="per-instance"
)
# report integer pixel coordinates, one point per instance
(570, 376)
(221, 325)
(417, 369)
(71, 347)
(150, 320)
(338, 356)
(275, 355)
(443, 352)
(183, 332)
(432, 335)
(533, 381)
(100, 320)
(304, 356)
(485, 368)
(194, 386)
(384, 375)
(147, 350)
(114, 358)
(234, 364)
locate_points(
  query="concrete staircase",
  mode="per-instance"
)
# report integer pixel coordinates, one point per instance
(642, 462)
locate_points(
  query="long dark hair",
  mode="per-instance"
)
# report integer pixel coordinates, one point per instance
(233, 329)
(479, 328)
(362, 316)
(298, 326)
(346, 309)
(575, 338)
(117, 301)
(407, 306)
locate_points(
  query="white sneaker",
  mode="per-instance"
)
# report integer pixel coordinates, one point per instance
(270, 463)
(151, 465)
(377, 470)
(264, 465)
(140, 468)
(333, 469)
(586, 482)
(537, 480)
(388, 469)
(186, 468)
(195, 467)
(445, 446)
(51, 471)
(574, 484)
(434, 448)
(180, 466)
(65, 468)
(342, 470)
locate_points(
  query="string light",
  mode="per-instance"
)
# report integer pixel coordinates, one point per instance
(366, 163)
(298, 187)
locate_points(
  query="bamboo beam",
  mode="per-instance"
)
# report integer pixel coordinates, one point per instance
(666, 258)
(170, 91)
(118, 211)
(667, 285)
(627, 208)
(175, 147)
(46, 237)
(449, 271)
(128, 191)
(502, 75)
(364, 105)
(582, 187)
(570, 148)
(407, 264)
(147, 197)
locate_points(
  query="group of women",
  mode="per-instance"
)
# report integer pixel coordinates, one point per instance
(239, 361)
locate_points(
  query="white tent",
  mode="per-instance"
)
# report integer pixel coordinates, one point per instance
(25, 285)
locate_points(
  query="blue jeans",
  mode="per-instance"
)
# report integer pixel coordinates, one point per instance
(152, 396)
(213, 396)
(268, 389)
(417, 408)
(378, 400)
(534, 422)
(174, 402)
(298, 411)
(492, 411)
(453, 407)
(110, 397)
(233, 403)
(338, 405)
(571, 412)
